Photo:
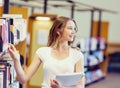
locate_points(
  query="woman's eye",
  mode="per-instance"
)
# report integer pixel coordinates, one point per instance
(70, 28)
(75, 29)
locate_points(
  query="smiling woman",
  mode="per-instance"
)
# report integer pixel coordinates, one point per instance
(58, 57)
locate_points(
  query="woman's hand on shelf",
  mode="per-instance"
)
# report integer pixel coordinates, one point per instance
(13, 52)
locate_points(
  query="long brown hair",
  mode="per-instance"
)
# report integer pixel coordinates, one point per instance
(58, 24)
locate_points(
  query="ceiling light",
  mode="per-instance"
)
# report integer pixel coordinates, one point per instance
(42, 18)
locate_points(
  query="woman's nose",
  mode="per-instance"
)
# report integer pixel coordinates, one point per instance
(73, 31)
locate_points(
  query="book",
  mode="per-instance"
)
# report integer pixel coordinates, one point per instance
(1, 79)
(69, 79)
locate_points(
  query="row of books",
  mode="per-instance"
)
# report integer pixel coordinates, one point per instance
(8, 74)
(13, 29)
(93, 76)
(90, 44)
(93, 59)
(93, 50)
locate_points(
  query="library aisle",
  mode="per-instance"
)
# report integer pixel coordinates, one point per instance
(112, 80)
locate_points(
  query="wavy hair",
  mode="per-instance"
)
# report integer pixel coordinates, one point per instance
(59, 24)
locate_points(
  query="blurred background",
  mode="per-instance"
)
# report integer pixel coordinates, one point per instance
(98, 35)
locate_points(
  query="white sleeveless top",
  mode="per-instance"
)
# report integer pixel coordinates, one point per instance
(53, 66)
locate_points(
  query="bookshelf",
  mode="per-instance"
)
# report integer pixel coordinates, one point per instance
(93, 56)
(103, 34)
(21, 46)
(24, 12)
(8, 74)
(95, 53)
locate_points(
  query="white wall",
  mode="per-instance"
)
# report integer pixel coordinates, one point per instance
(83, 18)
(114, 19)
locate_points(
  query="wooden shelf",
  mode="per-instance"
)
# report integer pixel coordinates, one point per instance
(24, 11)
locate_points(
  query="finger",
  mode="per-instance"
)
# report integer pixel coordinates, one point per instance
(55, 82)
(10, 51)
(11, 46)
(53, 85)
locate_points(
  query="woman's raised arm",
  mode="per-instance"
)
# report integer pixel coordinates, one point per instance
(23, 76)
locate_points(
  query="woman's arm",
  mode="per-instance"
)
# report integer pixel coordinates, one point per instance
(79, 67)
(23, 77)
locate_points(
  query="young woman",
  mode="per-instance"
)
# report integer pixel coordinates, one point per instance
(58, 57)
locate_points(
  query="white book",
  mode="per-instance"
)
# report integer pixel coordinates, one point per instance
(12, 15)
(69, 79)
(1, 79)
(15, 84)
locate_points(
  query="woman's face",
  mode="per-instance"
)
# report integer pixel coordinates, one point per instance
(69, 31)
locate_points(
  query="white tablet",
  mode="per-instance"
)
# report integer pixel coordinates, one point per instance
(70, 79)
